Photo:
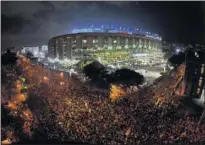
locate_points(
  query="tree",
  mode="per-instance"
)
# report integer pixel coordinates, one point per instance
(177, 59)
(106, 76)
(93, 70)
(9, 58)
(127, 77)
(81, 64)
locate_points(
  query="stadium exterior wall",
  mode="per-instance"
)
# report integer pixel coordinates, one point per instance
(69, 45)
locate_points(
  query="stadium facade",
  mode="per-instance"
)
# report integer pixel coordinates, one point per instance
(81, 43)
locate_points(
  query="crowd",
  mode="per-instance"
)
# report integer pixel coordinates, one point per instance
(68, 110)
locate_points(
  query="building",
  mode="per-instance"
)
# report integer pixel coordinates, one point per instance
(83, 43)
(194, 78)
(33, 50)
(37, 51)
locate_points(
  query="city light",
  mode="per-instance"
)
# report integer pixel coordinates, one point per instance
(61, 74)
(62, 83)
(196, 54)
(177, 51)
(84, 41)
(7, 141)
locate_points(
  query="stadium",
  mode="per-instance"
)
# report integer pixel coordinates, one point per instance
(108, 46)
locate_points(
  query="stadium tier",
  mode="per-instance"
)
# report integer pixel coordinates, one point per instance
(85, 44)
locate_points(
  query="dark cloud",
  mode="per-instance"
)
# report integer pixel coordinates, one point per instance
(26, 23)
(36, 20)
(13, 24)
(29, 23)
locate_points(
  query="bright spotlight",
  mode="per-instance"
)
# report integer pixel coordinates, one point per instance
(177, 50)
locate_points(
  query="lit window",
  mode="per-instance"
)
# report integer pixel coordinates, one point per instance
(200, 82)
(202, 70)
(95, 41)
(115, 41)
(198, 90)
(109, 47)
(196, 54)
(84, 41)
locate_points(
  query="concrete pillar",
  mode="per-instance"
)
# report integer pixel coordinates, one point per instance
(134, 43)
(150, 44)
(69, 48)
(100, 42)
(52, 48)
(144, 44)
(119, 46)
(105, 42)
(147, 44)
(79, 42)
(155, 46)
(58, 49)
(122, 42)
(90, 42)
(126, 43)
(61, 49)
(110, 43)
(114, 42)
(137, 43)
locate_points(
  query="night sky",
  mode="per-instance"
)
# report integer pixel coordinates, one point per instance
(33, 23)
